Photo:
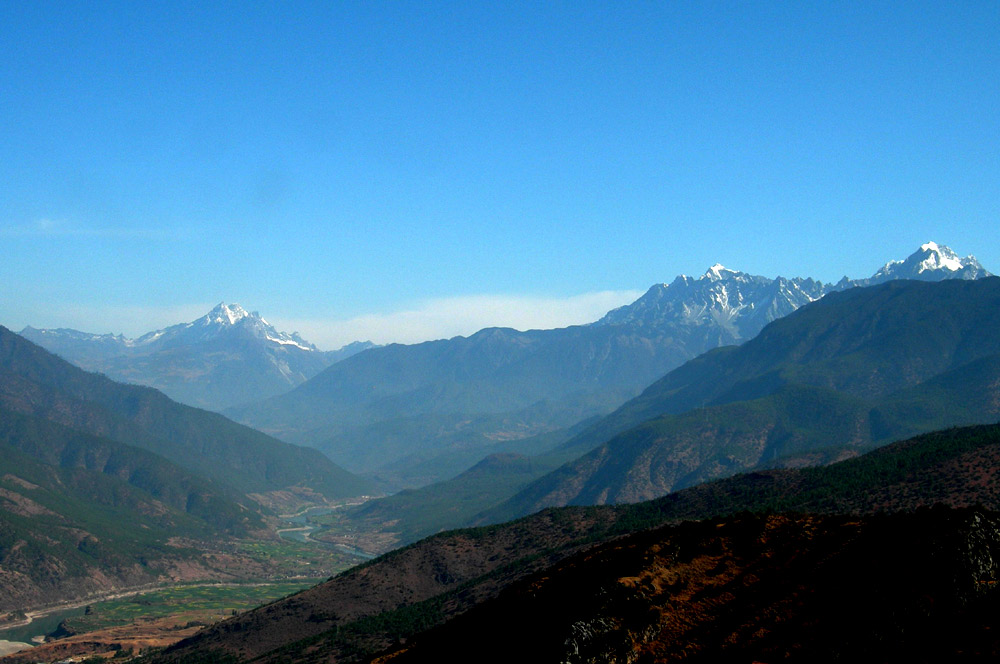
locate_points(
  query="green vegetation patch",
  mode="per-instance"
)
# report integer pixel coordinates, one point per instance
(217, 599)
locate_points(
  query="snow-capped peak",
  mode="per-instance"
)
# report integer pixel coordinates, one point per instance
(717, 272)
(226, 320)
(938, 258)
(932, 261)
(226, 314)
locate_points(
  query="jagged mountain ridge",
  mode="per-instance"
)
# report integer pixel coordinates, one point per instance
(401, 407)
(725, 306)
(858, 368)
(733, 306)
(227, 357)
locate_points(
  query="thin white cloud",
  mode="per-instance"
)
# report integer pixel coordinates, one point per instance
(448, 317)
(59, 228)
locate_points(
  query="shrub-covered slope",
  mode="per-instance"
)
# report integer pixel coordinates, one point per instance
(81, 514)
(363, 611)
(35, 382)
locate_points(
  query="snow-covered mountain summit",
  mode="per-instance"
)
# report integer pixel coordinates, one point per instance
(224, 314)
(726, 306)
(226, 357)
(225, 321)
(932, 262)
(721, 307)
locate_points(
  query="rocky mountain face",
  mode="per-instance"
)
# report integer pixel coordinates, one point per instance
(227, 357)
(725, 307)
(859, 368)
(421, 413)
(631, 583)
(720, 308)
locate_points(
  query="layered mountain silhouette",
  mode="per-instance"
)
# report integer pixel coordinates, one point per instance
(227, 357)
(784, 561)
(858, 368)
(420, 413)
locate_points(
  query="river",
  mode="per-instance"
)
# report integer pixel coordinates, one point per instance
(301, 529)
(40, 625)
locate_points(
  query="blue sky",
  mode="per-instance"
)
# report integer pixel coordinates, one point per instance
(410, 170)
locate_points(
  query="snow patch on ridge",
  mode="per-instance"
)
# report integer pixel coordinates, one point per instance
(286, 342)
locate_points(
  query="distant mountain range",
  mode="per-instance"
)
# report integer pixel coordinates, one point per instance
(857, 369)
(411, 415)
(98, 478)
(725, 307)
(420, 413)
(227, 357)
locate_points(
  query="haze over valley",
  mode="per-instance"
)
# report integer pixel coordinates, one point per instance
(597, 332)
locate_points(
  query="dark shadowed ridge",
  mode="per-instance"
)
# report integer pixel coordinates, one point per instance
(365, 610)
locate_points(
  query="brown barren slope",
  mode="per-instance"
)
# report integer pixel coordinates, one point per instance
(916, 587)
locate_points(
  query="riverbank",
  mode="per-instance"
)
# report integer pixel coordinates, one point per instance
(33, 615)
(148, 618)
(11, 647)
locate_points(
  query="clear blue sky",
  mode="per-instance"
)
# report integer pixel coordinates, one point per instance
(333, 164)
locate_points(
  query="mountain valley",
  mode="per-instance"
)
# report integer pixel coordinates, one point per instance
(107, 486)
(709, 466)
(398, 413)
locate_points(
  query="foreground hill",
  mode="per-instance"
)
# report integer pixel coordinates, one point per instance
(366, 610)
(916, 587)
(857, 369)
(227, 357)
(35, 382)
(420, 413)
